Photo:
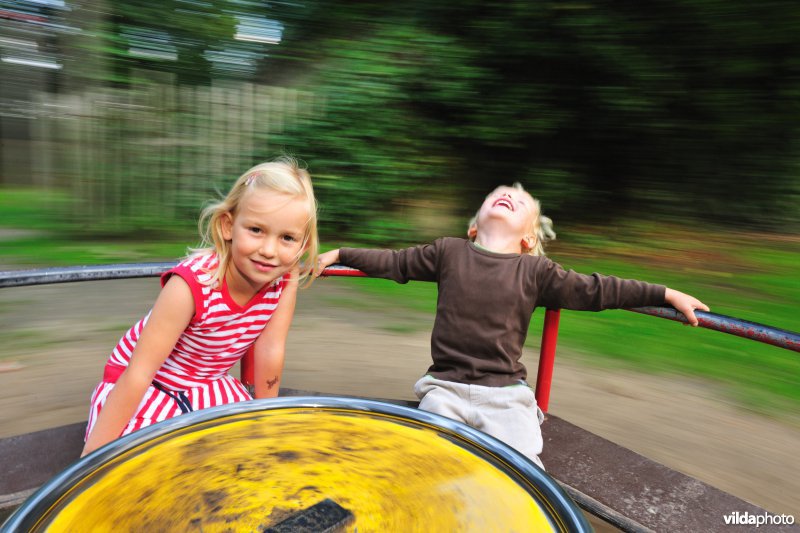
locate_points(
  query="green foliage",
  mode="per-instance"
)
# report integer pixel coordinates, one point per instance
(602, 109)
(174, 36)
(372, 148)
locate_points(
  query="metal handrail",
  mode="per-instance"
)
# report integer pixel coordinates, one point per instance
(46, 276)
(734, 326)
(727, 324)
(781, 338)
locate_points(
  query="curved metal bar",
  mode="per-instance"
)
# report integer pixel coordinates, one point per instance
(342, 271)
(726, 324)
(732, 325)
(44, 276)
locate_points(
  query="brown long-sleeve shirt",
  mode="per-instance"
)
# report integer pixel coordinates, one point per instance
(486, 301)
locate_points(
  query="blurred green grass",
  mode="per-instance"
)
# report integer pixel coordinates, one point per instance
(33, 233)
(746, 275)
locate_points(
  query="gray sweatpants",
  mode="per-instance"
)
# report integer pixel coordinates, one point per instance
(506, 413)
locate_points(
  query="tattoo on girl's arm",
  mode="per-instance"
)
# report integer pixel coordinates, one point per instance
(272, 382)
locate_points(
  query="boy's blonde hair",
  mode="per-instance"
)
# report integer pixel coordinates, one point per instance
(284, 176)
(541, 226)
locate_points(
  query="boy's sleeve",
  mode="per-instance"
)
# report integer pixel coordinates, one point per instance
(567, 289)
(418, 263)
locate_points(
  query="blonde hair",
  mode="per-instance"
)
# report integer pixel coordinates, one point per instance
(282, 175)
(541, 226)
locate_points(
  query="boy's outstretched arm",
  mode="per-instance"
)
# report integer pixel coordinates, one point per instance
(418, 263)
(684, 303)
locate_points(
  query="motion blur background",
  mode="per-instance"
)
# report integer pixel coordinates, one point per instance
(661, 137)
(131, 113)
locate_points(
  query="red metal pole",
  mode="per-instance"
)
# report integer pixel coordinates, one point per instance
(547, 358)
(342, 271)
(247, 369)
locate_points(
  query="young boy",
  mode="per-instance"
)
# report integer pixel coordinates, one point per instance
(488, 290)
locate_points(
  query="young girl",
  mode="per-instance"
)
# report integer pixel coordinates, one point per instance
(238, 290)
(489, 286)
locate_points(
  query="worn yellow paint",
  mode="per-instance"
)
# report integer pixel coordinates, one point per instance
(247, 471)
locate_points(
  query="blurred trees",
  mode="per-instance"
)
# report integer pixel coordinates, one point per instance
(602, 109)
(169, 35)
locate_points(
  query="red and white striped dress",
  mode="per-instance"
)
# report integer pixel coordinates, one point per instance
(196, 372)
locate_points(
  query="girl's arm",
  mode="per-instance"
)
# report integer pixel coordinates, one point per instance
(171, 314)
(270, 347)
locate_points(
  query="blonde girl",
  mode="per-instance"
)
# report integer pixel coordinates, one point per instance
(238, 290)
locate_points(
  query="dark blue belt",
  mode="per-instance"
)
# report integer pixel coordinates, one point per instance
(179, 396)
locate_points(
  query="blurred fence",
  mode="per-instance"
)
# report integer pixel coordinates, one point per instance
(131, 157)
